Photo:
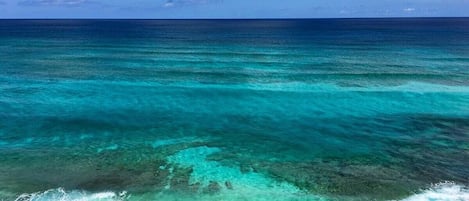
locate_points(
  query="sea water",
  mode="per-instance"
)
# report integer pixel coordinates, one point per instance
(338, 109)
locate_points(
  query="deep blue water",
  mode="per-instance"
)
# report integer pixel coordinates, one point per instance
(337, 109)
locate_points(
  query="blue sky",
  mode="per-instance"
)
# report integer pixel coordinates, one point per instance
(231, 8)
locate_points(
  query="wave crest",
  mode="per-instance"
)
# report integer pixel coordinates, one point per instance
(446, 191)
(61, 194)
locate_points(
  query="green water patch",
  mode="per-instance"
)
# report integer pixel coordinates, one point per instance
(214, 178)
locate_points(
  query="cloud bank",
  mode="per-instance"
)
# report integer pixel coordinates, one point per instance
(52, 2)
(174, 3)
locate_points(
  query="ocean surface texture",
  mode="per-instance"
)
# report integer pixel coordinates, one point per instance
(277, 110)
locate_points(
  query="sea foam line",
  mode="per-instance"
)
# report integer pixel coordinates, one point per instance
(61, 194)
(446, 191)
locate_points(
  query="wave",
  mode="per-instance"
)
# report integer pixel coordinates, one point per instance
(411, 86)
(446, 191)
(61, 194)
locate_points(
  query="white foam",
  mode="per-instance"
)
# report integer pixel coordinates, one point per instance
(446, 191)
(61, 194)
(108, 148)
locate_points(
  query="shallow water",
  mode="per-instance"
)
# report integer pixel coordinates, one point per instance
(374, 109)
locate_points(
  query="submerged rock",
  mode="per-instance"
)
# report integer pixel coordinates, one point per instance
(213, 188)
(229, 185)
(194, 188)
(180, 179)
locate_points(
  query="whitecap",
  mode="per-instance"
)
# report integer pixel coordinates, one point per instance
(446, 191)
(61, 194)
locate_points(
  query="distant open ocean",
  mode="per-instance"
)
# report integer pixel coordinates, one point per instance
(277, 110)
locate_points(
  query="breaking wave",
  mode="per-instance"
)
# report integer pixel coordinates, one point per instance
(61, 194)
(446, 191)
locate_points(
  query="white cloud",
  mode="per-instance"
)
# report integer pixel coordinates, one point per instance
(173, 3)
(409, 10)
(52, 2)
(168, 4)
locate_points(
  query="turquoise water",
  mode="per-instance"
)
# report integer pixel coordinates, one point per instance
(374, 109)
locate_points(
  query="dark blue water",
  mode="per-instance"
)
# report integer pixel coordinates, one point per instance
(338, 109)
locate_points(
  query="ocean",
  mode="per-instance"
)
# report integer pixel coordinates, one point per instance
(278, 110)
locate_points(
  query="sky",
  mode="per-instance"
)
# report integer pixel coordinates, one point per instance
(170, 9)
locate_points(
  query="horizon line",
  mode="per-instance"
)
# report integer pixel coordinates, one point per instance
(313, 18)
